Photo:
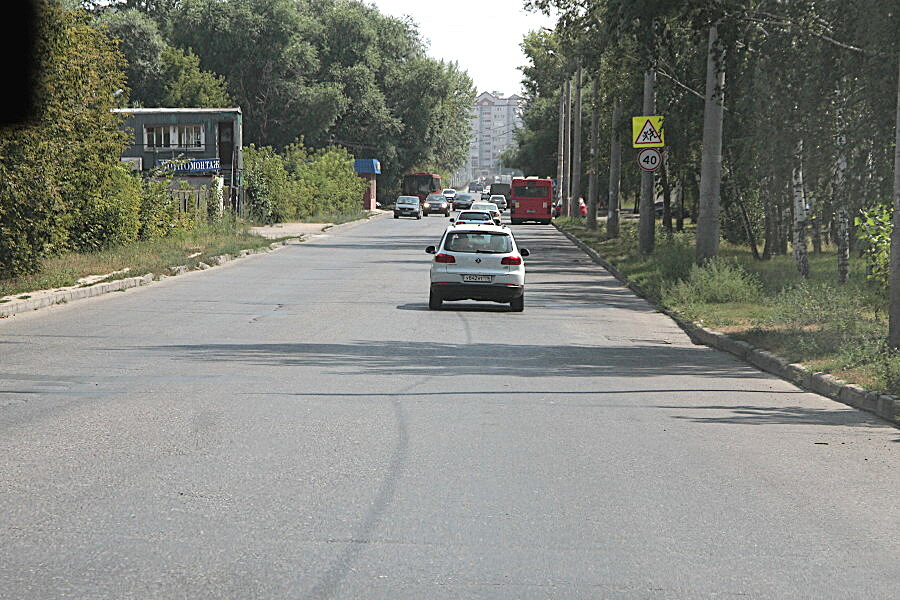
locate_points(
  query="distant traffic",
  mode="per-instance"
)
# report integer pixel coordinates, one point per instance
(477, 257)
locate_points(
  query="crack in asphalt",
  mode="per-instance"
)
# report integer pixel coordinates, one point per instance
(337, 571)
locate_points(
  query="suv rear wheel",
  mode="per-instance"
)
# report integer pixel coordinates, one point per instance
(434, 302)
(517, 304)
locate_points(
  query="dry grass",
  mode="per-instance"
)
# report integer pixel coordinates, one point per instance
(829, 327)
(151, 256)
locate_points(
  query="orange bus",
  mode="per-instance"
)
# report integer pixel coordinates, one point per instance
(531, 199)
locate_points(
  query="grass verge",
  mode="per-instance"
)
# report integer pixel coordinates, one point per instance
(839, 329)
(149, 256)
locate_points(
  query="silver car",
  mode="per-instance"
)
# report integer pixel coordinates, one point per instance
(408, 206)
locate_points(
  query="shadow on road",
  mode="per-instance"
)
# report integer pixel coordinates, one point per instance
(779, 415)
(449, 360)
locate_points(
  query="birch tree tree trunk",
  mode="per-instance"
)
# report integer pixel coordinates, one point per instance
(679, 218)
(894, 327)
(560, 152)
(567, 150)
(593, 167)
(842, 209)
(800, 213)
(647, 223)
(615, 172)
(667, 195)
(576, 148)
(708, 225)
(771, 240)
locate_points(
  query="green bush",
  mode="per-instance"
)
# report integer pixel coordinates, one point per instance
(110, 214)
(874, 228)
(301, 184)
(336, 188)
(269, 190)
(807, 303)
(674, 256)
(716, 282)
(53, 167)
(159, 213)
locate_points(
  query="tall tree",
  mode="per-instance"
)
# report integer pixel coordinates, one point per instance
(594, 164)
(708, 224)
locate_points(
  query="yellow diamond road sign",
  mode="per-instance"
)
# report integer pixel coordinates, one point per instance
(647, 132)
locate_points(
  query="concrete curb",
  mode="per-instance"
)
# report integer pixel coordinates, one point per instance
(9, 309)
(883, 405)
(351, 224)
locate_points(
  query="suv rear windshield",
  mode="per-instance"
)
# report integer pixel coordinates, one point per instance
(474, 216)
(477, 241)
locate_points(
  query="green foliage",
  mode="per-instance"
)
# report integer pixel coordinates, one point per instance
(143, 45)
(716, 282)
(874, 229)
(53, 169)
(110, 214)
(186, 85)
(267, 186)
(159, 212)
(158, 73)
(300, 184)
(674, 256)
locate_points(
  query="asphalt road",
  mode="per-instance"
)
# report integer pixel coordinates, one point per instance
(299, 425)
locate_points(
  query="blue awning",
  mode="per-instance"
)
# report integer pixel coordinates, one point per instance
(367, 166)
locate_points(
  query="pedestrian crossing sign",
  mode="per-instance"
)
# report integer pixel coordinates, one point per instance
(647, 132)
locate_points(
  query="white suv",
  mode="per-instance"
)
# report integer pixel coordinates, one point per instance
(478, 262)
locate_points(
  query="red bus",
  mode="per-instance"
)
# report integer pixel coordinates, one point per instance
(421, 184)
(531, 199)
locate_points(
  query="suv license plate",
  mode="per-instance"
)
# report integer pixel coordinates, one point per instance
(477, 278)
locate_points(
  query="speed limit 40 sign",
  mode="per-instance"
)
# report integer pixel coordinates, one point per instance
(649, 159)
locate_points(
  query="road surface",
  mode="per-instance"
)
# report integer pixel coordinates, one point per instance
(299, 425)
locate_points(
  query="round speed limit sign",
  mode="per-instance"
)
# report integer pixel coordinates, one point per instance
(649, 159)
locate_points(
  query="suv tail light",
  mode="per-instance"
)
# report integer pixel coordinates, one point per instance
(511, 260)
(446, 258)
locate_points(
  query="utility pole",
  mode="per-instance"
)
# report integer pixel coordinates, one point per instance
(594, 166)
(567, 148)
(647, 224)
(576, 152)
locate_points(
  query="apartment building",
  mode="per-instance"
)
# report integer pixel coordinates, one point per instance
(493, 120)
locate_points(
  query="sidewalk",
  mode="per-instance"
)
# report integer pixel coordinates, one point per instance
(280, 230)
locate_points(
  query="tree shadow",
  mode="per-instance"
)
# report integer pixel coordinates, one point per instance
(780, 415)
(404, 358)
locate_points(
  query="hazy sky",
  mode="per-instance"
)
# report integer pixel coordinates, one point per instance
(483, 36)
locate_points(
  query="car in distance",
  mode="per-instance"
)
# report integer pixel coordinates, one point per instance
(485, 194)
(436, 203)
(499, 200)
(477, 263)
(488, 207)
(475, 217)
(462, 201)
(449, 193)
(408, 206)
